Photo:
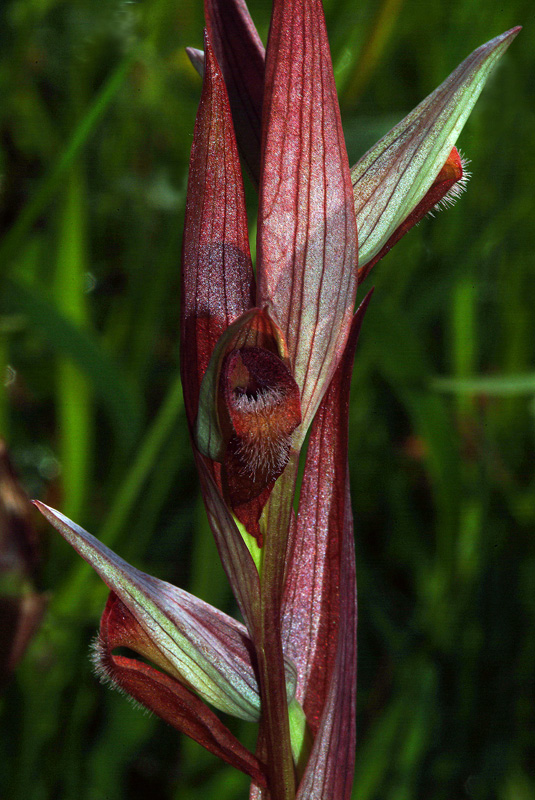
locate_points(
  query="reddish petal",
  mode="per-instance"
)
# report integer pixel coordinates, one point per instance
(249, 408)
(240, 53)
(217, 275)
(307, 240)
(254, 329)
(450, 175)
(163, 695)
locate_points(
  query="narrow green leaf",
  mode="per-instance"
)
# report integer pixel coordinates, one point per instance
(496, 385)
(127, 494)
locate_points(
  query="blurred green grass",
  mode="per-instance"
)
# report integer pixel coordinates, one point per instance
(96, 125)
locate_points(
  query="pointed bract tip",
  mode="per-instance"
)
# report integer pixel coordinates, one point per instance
(506, 37)
(44, 509)
(197, 59)
(365, 302)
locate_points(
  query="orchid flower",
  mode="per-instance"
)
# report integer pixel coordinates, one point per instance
(266, 360)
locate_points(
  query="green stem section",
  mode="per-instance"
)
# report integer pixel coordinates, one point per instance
(275, 522)
(300, 736)
(252, 545)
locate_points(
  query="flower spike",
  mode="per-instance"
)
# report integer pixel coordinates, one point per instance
(263, 361)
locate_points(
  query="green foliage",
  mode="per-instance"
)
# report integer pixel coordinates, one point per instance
(96, 125)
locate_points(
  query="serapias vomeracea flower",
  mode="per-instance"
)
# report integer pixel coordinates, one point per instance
(266, 359)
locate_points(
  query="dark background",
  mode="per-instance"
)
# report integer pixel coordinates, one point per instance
(96, 121)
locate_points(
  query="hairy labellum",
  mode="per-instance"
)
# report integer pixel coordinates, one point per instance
(249, 408)
(259, 411)
(262, 400)
(254, 329)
